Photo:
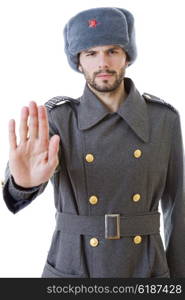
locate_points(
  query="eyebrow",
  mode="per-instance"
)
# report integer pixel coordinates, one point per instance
(111, 48)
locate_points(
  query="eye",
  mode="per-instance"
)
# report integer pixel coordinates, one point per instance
(90, 53)
(112, 51)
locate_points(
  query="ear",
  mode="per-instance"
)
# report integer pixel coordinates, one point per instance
(79, 65)
(79, 68)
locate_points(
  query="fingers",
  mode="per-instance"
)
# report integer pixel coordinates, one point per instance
(43, 125)
(38, 125)
(33, 120)
(23, 129)
(12, 135)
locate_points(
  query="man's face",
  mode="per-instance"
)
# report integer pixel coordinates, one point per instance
(103, 67)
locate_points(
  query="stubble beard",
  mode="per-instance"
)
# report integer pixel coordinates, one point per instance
(106, 87)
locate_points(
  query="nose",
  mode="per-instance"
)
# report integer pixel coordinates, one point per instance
(103, 61)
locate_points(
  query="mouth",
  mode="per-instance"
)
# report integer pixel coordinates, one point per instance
(104, 75)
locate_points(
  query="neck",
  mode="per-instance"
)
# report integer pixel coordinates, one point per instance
(112, 100)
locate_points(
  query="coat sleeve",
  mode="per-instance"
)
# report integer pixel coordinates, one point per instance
(17, 197)
(173, 205)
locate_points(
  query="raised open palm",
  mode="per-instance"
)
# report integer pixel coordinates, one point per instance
(34, 159)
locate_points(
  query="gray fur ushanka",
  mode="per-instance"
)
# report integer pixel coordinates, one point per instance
(99, 26)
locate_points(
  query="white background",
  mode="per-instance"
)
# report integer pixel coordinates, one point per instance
(33, 66)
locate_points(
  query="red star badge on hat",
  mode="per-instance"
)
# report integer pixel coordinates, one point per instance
(93, 23)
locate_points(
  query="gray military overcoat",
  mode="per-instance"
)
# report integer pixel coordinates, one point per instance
(115, 168)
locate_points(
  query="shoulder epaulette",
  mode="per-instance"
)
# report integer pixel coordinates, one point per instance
(155, 99)
(59, 100)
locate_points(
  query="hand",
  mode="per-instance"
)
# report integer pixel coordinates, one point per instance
(34, 159)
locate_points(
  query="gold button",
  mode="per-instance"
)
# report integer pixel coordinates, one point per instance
(94, 242)
(93, 199)
(137, 153)
(89, 158)
(137, 239)
(136, 197)
(2, 183)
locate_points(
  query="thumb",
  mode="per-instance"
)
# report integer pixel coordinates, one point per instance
(53, 150)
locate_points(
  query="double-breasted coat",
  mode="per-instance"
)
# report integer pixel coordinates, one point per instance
(115, 168)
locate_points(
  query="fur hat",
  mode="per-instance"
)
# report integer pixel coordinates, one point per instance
(98, 27)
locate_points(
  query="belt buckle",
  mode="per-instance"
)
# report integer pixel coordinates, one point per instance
(117, 235)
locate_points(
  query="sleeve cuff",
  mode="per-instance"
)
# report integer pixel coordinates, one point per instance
(18, 191)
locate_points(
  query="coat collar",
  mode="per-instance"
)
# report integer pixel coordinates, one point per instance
(133, 110)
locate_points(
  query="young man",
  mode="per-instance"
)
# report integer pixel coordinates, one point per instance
(112, 156)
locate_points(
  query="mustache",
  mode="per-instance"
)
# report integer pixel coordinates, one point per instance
(104, 72)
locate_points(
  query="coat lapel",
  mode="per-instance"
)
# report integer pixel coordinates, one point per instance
(133, 110)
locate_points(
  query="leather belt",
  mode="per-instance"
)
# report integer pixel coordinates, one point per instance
(111, 226)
